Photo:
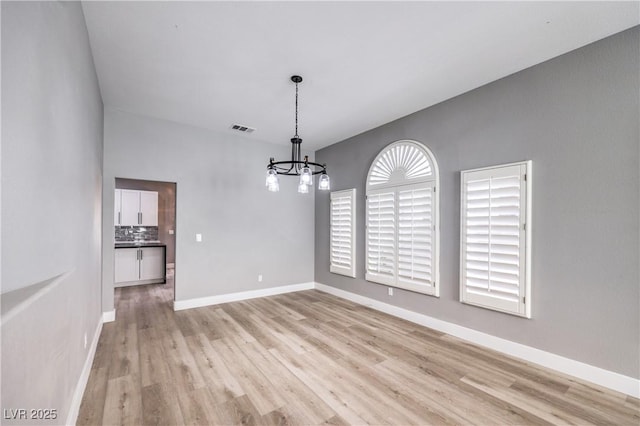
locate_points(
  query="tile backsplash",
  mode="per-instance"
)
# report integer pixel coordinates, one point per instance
(136, 233)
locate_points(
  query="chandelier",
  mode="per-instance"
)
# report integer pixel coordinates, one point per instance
(303, 168)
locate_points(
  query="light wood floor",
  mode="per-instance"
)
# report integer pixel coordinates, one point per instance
(310, 358)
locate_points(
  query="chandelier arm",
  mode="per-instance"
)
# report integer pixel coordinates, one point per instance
(297, 165)
(283, 170)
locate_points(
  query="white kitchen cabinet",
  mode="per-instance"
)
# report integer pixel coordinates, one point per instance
(136, 208)
(152, 263)
(129, 207)
(148, 208)
(117, 206)
(127, 265)
(144, 265)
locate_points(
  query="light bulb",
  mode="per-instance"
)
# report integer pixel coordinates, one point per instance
(323, 183)
(303, 188)
(306, 176)
(272, 177)
(274, 187)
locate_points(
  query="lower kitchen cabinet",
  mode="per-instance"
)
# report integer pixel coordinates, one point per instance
(152, 263)
(127, 265)
(144, 265)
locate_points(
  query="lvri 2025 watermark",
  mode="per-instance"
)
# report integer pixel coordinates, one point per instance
(29, 413)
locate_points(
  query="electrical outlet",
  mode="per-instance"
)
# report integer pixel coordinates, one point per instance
(260, 278)
(85, 340)
(390, 291)
(199, 238)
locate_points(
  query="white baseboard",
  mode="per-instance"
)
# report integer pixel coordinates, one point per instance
(74, 409)
(586, 372)
(179, 305)
(109, 316)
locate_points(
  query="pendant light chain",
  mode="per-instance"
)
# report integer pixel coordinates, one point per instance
(296, 135)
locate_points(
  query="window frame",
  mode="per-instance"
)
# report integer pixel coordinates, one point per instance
(338, 269)
(525, 212)
(396, 186)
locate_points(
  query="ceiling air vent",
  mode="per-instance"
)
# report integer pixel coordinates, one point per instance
(243, 129)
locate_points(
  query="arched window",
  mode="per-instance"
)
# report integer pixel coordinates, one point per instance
(402, 218)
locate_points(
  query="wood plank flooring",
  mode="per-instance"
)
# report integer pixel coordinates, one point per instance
(309, 358)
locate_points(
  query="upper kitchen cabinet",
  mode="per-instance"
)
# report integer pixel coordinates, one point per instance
(117, 203)
(136, 208)
(130, 208)
(148, 208)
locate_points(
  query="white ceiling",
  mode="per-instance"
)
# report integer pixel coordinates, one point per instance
(213, 64)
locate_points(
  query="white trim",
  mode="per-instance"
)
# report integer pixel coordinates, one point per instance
(589, 373)
(522, 306)
(74, 408)
(179, 305)
(396, 186)
(109, 316)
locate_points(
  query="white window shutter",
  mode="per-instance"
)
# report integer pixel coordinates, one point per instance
(399, 164)
(495, 235)
(381, 235)
(416, 237)
(402, 218)
(343, 230)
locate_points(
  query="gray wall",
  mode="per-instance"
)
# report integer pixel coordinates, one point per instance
(576, 117)
(220, 194)
(51, 200)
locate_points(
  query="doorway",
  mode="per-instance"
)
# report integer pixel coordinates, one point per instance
(145, 236)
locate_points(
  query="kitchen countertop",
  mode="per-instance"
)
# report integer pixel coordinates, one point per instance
(138, 244)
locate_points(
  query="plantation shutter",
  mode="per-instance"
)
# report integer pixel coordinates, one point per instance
(494, 255)
(416, 236)
(402, 218)
(381, 231)
(342, 245)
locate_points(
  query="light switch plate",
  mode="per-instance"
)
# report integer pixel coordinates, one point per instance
(199, 238)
